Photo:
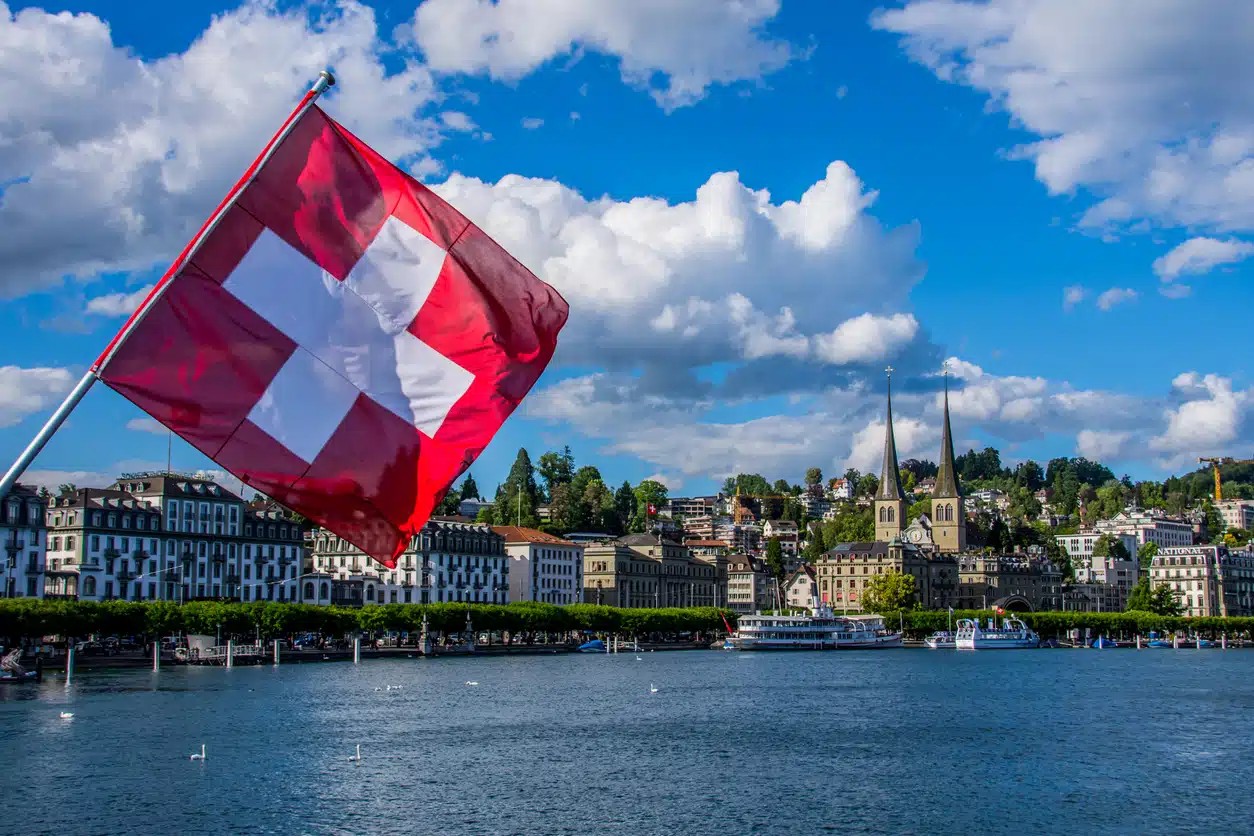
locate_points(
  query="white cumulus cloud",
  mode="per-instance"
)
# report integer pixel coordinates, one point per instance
(117, 304)
(25, 391)
(1115, 296)
(1200, 255)
(111, 162)
(676, 49)
(1143, 103)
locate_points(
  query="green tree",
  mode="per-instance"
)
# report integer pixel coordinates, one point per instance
(889, 592)
(648, 492)
(1109, 545)
(557, 468)
(66, 487)
(1029, 475)
(1059, 556)
(515, 502)
(868, 484)
(923, 506)
(1145, 554)
(469, 489)
(814, 478)
(624, 504)
(599, 502)
(906, 480)
(852, 525)
(814, 545)
(1161, 600)
(775, 558)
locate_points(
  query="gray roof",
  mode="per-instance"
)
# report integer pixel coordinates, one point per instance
(946, 477)
(890, 480)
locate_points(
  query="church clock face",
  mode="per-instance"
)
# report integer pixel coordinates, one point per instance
(915, 536)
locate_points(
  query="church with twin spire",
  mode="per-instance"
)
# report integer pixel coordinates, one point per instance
(945, 529)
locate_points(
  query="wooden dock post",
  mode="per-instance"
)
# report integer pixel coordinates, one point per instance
(276, 651)
(69, 663)
(230, 654)
(1223, 641)
(156, 656)
(356, 649)
(1138, 641)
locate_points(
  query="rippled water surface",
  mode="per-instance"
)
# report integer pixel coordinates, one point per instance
(904, 741)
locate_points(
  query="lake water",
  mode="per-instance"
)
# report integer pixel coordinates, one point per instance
(902, 741)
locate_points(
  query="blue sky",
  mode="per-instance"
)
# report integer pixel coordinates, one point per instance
(996, 178)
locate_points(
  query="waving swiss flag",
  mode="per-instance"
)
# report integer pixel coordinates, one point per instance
(342, 340)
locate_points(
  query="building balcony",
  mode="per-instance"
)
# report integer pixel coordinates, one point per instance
(126, 576)
(15, 545)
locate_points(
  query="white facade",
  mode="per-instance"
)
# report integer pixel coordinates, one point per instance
(841, 489)
(542, 567)
(1196, 575)
(801, 589)
(106, 543)
(1236, 513)
(786, 531)
(24, 540)
(445, 562)
(1166, 532)
(1079, 546)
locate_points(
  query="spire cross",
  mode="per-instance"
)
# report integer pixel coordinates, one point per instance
(889, 371)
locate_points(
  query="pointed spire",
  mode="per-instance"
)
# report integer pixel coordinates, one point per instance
(890, 479)
(946, 477)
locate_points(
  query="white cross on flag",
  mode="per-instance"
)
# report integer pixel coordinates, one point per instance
(343, 340)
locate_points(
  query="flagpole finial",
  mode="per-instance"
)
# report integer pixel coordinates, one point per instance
(889, 371)
(326, 79)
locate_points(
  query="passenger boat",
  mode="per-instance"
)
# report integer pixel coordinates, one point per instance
(1012, 635)
(823, 631)
(940, 640)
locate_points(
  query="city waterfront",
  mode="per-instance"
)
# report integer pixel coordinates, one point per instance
(902, 741)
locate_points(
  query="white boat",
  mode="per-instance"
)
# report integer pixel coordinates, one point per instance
(823, 631)
(940, 640)
(1012, 635)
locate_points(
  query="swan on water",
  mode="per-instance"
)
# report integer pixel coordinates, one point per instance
(652, 688)
(200, 757)
(639, 658)
(468, 682)
(356, 757)
(65, 715)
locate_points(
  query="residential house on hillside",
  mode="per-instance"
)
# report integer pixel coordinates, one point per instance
(801, 589)
(750, 585)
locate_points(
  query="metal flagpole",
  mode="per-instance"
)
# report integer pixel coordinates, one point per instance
(41, 439)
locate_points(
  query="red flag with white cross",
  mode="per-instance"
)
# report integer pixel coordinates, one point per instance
(339, 338)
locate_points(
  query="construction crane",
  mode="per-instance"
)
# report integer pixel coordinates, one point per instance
(1215, 464)
(739, 510)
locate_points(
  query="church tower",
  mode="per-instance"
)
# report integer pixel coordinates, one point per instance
(890, 502)
(949, 520)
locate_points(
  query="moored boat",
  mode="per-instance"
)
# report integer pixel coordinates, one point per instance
(1013, 634)
(823, 631)
(940, 640)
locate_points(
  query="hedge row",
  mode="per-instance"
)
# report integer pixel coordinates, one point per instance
(919, 624)
(30, 618)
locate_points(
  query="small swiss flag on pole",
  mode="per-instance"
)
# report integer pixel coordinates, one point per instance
(338, 337)
(652, 510)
